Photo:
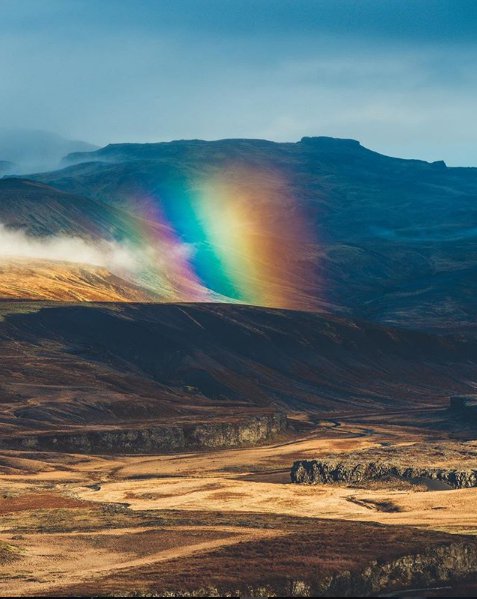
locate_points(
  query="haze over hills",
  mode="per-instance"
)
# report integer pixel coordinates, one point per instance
(6, 168)
(29, 151)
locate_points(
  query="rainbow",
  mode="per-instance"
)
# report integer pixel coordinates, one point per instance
(236, 234)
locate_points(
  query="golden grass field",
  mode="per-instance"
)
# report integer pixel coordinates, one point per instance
(64, 281)
(107, 524)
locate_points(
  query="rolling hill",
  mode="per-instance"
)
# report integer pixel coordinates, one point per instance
(41, 211)
(66, 281)
(79, 367)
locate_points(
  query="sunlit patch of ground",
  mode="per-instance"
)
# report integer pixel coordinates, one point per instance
(64, 281)
(72, 520)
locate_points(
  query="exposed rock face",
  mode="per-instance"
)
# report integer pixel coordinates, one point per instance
(180, 437)
(314, 472)
(441, 564)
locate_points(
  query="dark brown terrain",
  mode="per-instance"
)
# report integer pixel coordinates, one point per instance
(70, 367)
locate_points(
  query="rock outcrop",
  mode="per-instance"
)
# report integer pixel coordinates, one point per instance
(161, 438)
(421, 570)
(314, 472)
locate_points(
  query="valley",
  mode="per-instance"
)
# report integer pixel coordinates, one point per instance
(157, 524)
(238, 282)
(94, 500)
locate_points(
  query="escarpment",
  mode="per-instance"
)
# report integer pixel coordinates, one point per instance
(326, 472)
(446, 465)
(157, 438)
(442, 564)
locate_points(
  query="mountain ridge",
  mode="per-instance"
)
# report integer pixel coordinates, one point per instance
(324, 143)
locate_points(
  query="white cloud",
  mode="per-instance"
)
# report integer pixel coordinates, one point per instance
(109, 254)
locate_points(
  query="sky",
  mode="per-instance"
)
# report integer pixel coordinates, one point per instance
(398, 75)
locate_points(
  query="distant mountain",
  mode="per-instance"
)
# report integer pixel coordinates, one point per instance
(35, 151)
(381, 238)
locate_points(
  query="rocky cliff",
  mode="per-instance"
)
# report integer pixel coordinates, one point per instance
(425, 569)
(332, 471)
(160, 438)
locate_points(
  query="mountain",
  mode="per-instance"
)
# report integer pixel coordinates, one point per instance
(325, 222)
(35, 151)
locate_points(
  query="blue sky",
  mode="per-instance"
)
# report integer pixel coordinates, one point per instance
(399, 76)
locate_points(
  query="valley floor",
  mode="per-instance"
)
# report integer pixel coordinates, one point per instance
(74, 524)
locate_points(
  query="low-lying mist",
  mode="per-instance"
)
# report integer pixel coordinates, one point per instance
(112, 255)
(160, 268)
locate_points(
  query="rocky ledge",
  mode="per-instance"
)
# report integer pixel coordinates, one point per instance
(314, 472)
(161, 438)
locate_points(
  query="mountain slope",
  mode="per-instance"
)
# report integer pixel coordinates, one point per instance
(65, 281)
(57, 245)
(41, 210)
(133, 365)
(382, 238)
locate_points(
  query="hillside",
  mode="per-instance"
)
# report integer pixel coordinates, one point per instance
(331, 224)
(65, 281)
(41, 210)
(107, 364)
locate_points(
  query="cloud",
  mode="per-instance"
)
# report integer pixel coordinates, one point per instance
(399, 78)
(162, 267)
(108, 254)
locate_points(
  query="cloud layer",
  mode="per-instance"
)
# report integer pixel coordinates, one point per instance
(398, 76)
(111, 255)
